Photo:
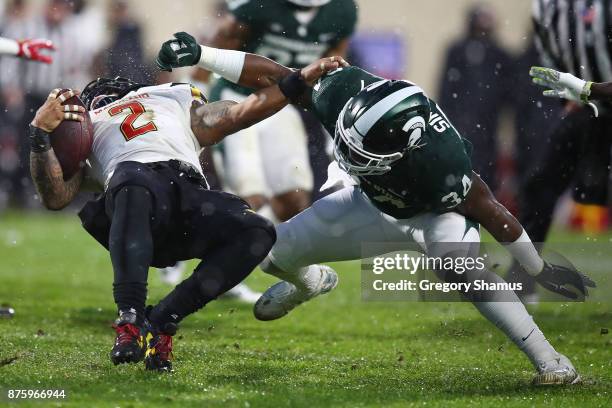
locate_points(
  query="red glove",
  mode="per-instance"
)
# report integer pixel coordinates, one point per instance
(30, 49)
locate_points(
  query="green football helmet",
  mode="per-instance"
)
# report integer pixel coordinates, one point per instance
(379, 125)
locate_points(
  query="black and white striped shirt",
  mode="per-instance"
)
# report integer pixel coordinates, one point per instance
(575, 36)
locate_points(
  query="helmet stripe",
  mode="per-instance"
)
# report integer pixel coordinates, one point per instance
(372, 115)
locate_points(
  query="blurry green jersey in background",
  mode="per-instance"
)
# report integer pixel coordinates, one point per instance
(289, 35)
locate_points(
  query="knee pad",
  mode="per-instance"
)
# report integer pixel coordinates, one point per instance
(259, 232)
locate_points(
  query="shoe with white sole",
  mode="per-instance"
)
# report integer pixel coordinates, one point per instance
(283, 297)
(559, 371)
(242, 293)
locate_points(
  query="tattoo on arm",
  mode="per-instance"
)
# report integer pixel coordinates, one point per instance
(212, 122)
(206, 121)
(55, 193)
(209, 116)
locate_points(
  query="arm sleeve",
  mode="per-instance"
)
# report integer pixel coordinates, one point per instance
(8, 46)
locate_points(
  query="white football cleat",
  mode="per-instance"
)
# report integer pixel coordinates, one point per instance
(172, 275)
(283, 297)
(559, 371)
(242, 293)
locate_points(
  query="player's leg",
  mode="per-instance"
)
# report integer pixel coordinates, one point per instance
(243, 175)
(451, 234)
(332, 229)
(284, 152)
(131, 249)
(231, 242)
(243, 168)
(173, 274)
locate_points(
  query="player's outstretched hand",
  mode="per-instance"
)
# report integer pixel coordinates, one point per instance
(561, 84)
(559, 279)
(317, 69)
(31, 49)
(52, 112)
(181, 51)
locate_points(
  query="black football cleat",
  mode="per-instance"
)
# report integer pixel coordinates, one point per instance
(158, 356)
(129, 343)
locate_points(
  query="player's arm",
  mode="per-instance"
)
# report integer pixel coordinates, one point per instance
(27, 49)
(212, 122)
(567, 86)
(481, 206)
(601, 91)
(47, 174)
(248, 70)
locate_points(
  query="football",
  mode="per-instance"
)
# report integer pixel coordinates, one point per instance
(72, 141)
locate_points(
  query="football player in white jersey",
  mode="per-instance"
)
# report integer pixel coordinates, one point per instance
(155, 208)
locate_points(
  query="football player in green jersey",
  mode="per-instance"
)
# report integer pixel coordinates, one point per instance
(407, 180)
(268, 164)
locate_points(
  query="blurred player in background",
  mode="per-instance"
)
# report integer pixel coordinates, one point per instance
(572, 36)
(25, 86)
(475, 88)
(33, 50)
(268, 164)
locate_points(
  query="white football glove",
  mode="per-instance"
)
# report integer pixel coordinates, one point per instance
(562, 85)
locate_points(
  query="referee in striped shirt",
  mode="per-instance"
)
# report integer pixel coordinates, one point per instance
(574, 37)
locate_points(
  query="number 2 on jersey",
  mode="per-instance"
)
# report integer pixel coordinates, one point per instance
(127, 127)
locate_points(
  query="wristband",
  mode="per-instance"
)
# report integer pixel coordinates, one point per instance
(9, 47)
(586, 92)
(39, 140)
(293, 85)
(227, 63)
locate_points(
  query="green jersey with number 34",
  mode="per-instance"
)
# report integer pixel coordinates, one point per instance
(290, 36)
(436, 176)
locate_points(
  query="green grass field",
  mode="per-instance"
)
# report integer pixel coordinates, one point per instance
(335, 351)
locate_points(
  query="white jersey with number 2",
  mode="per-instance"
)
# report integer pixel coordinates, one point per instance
(151, 124)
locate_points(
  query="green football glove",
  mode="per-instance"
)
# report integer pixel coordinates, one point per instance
(561, 84)
(182, 51)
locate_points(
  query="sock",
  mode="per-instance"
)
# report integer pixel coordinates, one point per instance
(266, 212)
(515, 322)
(303, 278)
(526, 254)
(504, 309)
